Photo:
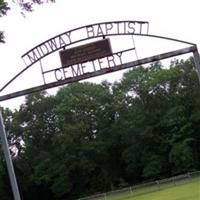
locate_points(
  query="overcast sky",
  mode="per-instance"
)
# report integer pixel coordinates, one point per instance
(171, 18)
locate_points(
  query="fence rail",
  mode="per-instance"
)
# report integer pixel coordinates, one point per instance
(135, 190)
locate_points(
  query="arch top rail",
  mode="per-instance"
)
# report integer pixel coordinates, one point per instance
(92, 31)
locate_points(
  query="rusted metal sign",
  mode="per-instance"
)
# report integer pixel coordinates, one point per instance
(87, 52)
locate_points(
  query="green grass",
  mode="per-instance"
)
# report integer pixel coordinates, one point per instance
(186, 191)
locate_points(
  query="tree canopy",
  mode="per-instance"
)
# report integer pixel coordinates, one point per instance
(91, 138)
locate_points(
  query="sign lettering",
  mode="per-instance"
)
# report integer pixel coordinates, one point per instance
(87, 32)
(92, 66)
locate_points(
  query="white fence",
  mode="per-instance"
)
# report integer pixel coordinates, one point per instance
(145, 187)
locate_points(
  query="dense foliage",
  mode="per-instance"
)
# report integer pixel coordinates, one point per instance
(92, 138)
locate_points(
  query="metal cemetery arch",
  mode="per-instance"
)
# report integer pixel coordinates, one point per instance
(99, 30)
(85, 54)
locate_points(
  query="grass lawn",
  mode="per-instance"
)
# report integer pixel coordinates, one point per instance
(187, 191)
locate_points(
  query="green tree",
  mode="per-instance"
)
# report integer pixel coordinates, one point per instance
(155, 113)
(83, 110)
(91, 138)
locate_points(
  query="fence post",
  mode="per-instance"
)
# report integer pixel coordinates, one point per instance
(173, 178)
(197, 62)
(158, 184)
(105, 196)
(189, 176)
(8, 159)
(131, 191)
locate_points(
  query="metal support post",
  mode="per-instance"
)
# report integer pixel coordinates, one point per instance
(9, 163)
(197, 62)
